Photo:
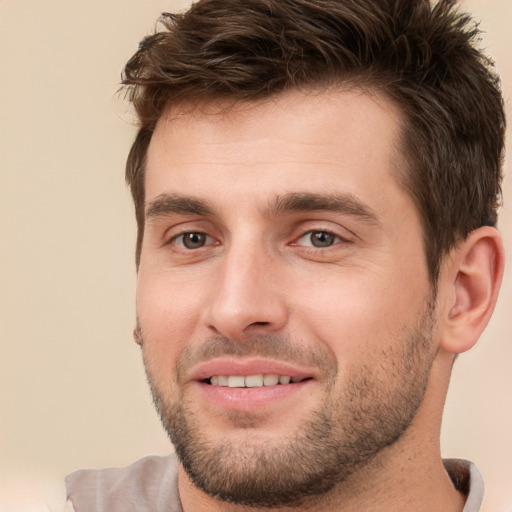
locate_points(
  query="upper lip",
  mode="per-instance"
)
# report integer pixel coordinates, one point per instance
(253, 366)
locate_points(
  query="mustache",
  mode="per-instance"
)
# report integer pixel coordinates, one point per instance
(265, 346)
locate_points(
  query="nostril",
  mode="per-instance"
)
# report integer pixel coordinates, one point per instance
(260, 323)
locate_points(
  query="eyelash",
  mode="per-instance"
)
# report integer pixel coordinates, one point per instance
(300, 241)
(337, 239)
(175, 238)
(178, 240)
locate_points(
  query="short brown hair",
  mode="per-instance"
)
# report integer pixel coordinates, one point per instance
(423, 58)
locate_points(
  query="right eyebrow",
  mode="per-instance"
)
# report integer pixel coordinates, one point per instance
(344, 203)
(168, 204)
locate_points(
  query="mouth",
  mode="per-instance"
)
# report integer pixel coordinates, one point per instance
(252, 381)
(250, 384)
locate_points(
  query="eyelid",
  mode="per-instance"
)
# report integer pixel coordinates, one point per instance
(170, 235)
(338, 239)
(313, 225)
(176, 229)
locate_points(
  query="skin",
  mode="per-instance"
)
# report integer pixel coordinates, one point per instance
(354, 302)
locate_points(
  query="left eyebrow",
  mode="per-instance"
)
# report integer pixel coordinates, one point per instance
(345, 203)
(168, 204)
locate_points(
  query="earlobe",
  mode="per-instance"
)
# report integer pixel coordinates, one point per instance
(471, 282)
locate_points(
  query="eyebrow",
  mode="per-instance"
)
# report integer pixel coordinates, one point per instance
(295, 202)
(168, 204)
(344, 203)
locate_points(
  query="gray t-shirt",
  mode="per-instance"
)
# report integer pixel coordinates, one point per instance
(151, 484)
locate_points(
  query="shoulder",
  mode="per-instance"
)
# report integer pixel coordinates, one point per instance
(142, 485)
(467, 479)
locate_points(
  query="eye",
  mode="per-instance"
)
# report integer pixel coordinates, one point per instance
(318, 239)
(192, 240)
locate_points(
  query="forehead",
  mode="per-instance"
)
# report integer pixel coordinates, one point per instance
(346, 139)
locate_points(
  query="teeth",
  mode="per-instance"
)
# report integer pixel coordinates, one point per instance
(251, 381)
(270, 380)
(236, 382)
(254, 381)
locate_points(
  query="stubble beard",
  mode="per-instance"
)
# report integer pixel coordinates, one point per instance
(356, 421)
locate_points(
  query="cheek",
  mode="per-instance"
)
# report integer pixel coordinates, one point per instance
(168, 313)
(360, 315)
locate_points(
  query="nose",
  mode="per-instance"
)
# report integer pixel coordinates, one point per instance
(247, 297)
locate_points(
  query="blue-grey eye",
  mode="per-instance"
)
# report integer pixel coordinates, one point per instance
(192, 240)
(321, 239)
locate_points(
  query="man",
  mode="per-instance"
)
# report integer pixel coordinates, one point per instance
(316, 185)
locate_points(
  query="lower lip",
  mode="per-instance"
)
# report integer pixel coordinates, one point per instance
(250, 398)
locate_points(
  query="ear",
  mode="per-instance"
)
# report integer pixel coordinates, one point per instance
(469, 284)
(137, 333)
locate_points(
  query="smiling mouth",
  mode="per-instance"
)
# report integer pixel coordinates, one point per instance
(252, 381)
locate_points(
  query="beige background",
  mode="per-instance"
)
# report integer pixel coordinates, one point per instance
(72, 388)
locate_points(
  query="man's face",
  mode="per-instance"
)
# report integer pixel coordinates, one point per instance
(282, 258)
